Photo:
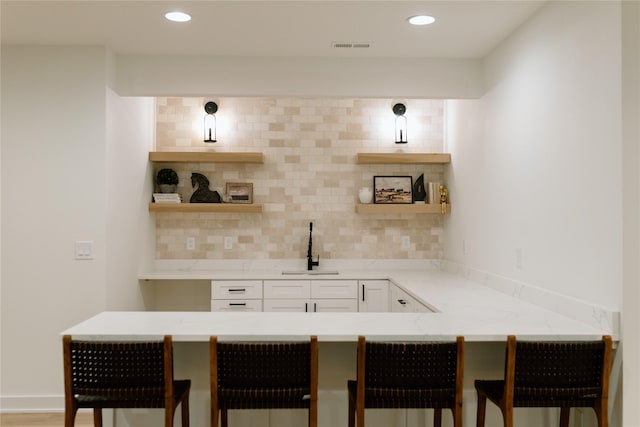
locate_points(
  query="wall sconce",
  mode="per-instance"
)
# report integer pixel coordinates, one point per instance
(401, 123)
(210, 121)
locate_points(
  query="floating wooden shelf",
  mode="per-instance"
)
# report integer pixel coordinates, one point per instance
(205, 157)
(404, 158)
(372, 208)
(206, 207)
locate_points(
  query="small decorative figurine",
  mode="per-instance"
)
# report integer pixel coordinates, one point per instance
(203, 194)
(444, 198)
(419, 192)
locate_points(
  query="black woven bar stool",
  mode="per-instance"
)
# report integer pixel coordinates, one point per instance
(550, 374)
(408, 375)
(263, 376)
(100, 374)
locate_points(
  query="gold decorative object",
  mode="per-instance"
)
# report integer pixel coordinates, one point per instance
(444, 199)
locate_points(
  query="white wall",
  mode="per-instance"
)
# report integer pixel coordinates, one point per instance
(538, 166)
(536, 171)
(189, 75)
(631, 205)
(131, 230)
(53, 193)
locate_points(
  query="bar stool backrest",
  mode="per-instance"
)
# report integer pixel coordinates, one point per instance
(411, 365)
(117, 368)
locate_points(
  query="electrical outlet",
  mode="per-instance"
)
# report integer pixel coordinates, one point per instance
(519, 258)
(191, 243)
(228, 243)
(406, 242)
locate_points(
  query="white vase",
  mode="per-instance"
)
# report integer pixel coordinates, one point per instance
(365, 195)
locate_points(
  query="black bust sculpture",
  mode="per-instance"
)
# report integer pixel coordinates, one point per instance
(419, 192)
(202, 194)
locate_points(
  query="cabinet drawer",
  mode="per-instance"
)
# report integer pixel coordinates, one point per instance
(286, 305)
(334, 305)
(236, 305)
(286, 289)
(334, 289)
(236, 289)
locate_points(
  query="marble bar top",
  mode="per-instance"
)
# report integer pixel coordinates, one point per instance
(464, 307)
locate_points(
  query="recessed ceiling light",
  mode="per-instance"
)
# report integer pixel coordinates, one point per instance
(178, 16)
(421, 20)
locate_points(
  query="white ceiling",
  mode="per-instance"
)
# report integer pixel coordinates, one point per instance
(464, 29)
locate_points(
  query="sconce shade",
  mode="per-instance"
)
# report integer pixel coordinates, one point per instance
(210, 121)
(401, 123)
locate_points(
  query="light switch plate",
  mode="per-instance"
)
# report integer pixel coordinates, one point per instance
(84, 249)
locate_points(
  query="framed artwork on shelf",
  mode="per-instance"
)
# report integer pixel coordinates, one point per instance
(393, 189)
(239, 192)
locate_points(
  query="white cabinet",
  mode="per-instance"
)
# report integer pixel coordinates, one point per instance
(317, 295)
(402, 302)
(287, 289)
(373, 295)
(334, 289)
(236, 295)
(334, 305)
(311, 295)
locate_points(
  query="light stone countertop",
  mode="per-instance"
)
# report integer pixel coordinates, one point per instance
(464, 307)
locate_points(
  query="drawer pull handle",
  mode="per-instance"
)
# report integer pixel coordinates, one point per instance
(401, 301)
(237, 290)
(237, 304)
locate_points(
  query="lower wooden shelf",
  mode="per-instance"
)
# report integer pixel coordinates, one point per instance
(372, 208)
(206, 207)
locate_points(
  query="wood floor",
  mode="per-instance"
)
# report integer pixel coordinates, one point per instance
(43, 420)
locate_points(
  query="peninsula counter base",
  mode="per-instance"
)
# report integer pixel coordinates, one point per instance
(337, 334)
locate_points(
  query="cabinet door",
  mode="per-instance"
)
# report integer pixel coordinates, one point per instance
(236, 305)
(401, 302)
(373, 295)
(287, 289)
(334, 305)
(287, 305)
(324, 289)
(236, 289)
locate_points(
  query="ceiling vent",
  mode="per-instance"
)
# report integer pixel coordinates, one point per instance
(351, 45)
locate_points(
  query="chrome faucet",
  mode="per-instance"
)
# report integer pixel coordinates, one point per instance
(310, 262)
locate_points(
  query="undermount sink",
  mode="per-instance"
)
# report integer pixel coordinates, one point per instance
(310, 272)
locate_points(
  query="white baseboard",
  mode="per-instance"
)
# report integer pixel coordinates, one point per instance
(53, 403)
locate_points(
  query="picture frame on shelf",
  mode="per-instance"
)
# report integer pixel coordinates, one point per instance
(392, 189)
(239, 192)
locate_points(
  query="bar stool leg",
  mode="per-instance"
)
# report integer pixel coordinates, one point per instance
(564, 416)
(482, 406)
(437, 417)
(97, 417)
